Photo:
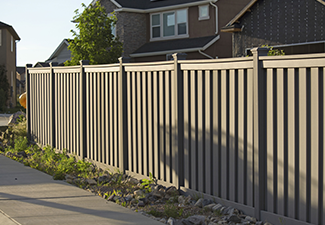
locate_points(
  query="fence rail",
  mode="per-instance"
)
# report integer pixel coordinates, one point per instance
(248, 131)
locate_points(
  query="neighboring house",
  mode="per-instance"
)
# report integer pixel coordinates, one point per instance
(152, 30)
(297, 27)
(44, 64)
(60, 55)
(8, 38)
(20, 79)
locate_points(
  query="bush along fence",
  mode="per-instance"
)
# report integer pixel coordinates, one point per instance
(247, 131)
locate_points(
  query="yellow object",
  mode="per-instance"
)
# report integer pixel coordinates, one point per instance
(22, 100)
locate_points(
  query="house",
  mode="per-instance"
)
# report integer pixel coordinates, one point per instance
(152, 30)
(8, 38)
(20, 79)
(297, 27)
(45, 64)
(60, 55)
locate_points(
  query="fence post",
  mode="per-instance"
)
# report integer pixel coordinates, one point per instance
(52, 103)
(83, 116)
(259, 111)
(28, 112)
(122, 123)
(178, 122)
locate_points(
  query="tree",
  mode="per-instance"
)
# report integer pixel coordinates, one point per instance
(4, 87)
(94, 40)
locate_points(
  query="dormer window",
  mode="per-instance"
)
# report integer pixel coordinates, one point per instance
(171, 24)
(204, 12)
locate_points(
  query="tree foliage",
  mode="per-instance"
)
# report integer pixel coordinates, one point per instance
(93, 39)
(4, 87)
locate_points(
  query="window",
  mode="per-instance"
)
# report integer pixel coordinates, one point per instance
(169, 24)
(114, 30)
(12, 44)
(204, 12)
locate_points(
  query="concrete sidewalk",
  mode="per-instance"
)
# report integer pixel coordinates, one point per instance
(28, 196)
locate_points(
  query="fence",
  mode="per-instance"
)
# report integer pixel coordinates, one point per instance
(248, 131)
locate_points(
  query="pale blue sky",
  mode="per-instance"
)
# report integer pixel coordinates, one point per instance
(41, 25)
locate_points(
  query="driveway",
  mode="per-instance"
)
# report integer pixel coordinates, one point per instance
(4, 119)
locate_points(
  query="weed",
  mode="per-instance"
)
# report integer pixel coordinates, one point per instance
(155, 213)
(172, 211)
(197, 196)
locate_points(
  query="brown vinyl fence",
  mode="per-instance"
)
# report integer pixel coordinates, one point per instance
(247, 131)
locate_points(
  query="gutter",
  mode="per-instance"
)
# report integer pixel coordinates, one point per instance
(165, 8)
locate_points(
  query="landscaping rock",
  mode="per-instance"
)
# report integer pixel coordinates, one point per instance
(197, 219)
(234, 218)
(171, 221)
(91, 181)
(15, 117)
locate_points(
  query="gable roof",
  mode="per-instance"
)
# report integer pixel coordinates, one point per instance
(232, 26)
(61, 46)
(20, 69)
(146, 6)
(10, 29)
(175, 46)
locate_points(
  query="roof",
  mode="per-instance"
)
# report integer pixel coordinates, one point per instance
(10, 29)
(20, 69)
(231, 26)
(147, 5)
(174, 46)
(61, 46)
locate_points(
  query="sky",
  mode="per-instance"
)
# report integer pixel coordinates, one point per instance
(41, 25)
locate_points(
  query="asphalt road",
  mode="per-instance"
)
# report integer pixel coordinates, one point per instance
(4, 119)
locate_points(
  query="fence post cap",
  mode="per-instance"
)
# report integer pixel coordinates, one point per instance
(179, 56)
(124, 59)
(260, 51)
(84, 62)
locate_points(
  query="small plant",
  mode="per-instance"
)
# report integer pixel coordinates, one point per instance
(172, 211)
(197, 196)
(155, 213)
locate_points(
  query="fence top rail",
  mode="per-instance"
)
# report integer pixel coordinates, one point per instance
(217, 64)
(102, 68)
(208, 61)
(39, 70)
(290, 57)
(294, 61)
(149, 66)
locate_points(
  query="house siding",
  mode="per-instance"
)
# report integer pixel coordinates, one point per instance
(8, 59)
(131, 28)
(272, 22)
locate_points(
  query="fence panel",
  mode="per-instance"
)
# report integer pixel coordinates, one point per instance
(218, 129)
(40, 107)
(295, 147)
(102, 114)
(150, 135)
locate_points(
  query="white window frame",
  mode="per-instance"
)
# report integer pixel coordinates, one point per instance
(12, 43)
(204, 17)
(175, 36)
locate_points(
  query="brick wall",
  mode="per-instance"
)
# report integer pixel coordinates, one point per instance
(131, 28)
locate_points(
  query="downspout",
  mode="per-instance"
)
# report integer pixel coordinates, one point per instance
(217, 27)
